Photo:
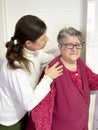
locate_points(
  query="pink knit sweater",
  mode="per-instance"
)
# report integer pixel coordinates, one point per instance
(41, 115)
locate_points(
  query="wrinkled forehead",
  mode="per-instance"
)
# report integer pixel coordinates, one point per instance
(72, 39)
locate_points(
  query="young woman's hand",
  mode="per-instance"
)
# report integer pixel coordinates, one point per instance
(54, 71)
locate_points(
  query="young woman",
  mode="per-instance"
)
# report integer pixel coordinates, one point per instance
(19, 73)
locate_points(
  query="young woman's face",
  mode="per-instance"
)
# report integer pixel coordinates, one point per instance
(40, 43)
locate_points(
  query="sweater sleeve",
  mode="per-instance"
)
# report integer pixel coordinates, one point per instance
(45, 58)
(41, 115)
(92, 79)
(22, 89)
(42, 89)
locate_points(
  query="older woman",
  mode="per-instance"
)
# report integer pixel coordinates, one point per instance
(67, 105)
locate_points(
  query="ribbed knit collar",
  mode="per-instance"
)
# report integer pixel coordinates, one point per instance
(27, 53)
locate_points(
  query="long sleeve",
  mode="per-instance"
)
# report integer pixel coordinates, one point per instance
(92, 79)
(17, 94)
(45, 58)
(41, 115)
(21, 88)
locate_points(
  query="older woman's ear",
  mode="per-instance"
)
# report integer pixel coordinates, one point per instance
(59, 46)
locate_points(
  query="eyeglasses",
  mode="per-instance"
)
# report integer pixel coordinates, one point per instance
(71, 46)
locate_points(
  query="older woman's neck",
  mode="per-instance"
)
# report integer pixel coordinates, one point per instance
(71, 65)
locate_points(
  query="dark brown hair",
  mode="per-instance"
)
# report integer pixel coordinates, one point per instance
(27, 28)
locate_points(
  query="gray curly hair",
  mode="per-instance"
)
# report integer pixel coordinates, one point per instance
(65, 32)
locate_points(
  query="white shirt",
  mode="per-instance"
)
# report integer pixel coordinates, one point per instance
(17, 94)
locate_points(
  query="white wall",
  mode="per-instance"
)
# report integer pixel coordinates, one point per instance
(91, 56)
(2, 31)
(56, 14)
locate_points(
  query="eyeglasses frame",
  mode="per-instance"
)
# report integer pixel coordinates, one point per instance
(73, 45)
